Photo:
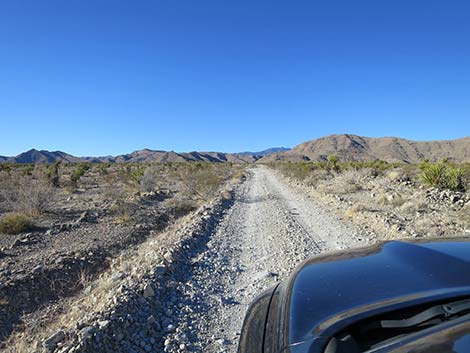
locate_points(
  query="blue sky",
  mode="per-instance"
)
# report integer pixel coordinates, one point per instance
(108, 77)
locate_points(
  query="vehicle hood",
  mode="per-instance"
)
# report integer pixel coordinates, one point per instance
(330, 292)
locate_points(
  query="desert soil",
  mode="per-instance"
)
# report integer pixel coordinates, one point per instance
(194, 295)
(267, 232)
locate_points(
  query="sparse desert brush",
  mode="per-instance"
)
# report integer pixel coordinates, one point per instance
(180, 207)
(123, 211)
(152, 178)
(394, 199)
(443, 175)
(52, 174)
(298, 170)
(318, 175)
(78, 172)
(6, 167)
(28, 194)
(27, 169)
(238, 175)
(377, 167)
(349, 181)
(333, 161)
(199, 181)
(136, 174)
(103, 168)
(14, 223)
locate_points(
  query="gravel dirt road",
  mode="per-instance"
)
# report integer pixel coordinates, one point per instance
(267, 232)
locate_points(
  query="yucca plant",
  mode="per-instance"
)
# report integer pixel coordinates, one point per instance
(442, 175)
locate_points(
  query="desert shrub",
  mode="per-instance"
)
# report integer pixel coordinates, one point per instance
(442, 175)
(152, 178)
(14, 223)
(180, 207)
(103, 168)
(317, 176)
(30, 195)
(298, 170)
(6, 167)
(377, 167)
(136, 175)
(81, 169)
(52, 174)
(199, 180)
(27, 169)
(394, 199)
(333, 161)
(123, 210)
(348, 182)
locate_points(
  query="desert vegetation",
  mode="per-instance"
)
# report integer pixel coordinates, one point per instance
(394, 200)
(63, 223)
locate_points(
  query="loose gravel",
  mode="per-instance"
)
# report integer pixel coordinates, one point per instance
(269, 230)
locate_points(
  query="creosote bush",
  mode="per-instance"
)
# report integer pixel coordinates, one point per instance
(28, 194)
(14, 223)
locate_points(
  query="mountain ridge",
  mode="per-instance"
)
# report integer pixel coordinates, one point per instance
(140, 156)
(347, 147)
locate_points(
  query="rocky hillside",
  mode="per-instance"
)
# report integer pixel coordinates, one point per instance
(141, 156)
(35, 156)
(392, 149)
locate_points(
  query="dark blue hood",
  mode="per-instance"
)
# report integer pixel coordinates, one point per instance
(330, 292)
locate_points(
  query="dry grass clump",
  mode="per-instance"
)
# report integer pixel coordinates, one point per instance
(15, 223)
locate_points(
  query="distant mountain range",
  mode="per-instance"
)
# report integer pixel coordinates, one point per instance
(347, 147)
(392, 149)
(141, 156)
(265, 152)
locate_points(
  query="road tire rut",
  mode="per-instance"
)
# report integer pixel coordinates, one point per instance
(267, 232)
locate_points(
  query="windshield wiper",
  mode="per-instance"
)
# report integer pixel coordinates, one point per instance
(444, 311)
